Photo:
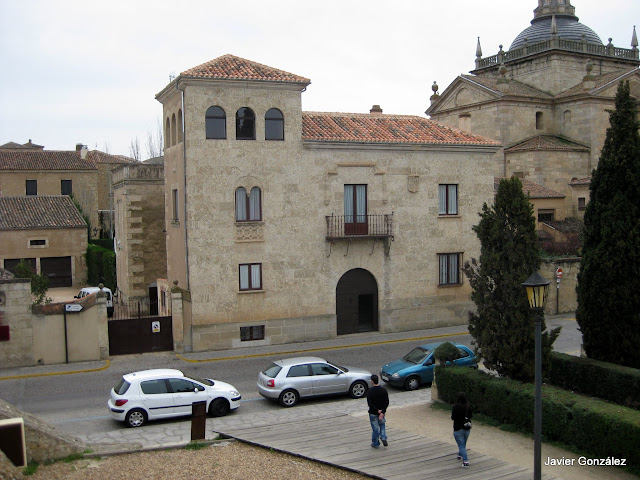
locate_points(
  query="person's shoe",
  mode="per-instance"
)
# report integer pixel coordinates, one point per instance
(465, 465)
(385, 443)
(375, 446)
(458, 457)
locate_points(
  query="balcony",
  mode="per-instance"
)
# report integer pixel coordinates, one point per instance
(359, 226)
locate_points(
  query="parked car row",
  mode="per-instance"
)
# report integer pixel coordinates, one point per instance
(162, 393)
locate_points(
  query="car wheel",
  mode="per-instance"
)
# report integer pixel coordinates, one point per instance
(412, 383)
(219, 407)
(288, 398)
(136, 418)
(358, 389)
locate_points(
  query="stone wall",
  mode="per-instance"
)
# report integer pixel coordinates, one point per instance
(562, 297)
(44, 442)
(15, 311)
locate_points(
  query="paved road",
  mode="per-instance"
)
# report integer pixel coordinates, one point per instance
(76, 402)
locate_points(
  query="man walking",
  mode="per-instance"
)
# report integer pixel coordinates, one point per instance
(378, 401)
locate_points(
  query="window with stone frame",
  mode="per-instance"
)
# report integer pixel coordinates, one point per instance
(245, 124)
(216, 123)
(250, 276)
(31, 187)
(273, 125)
(449, 268)
(248, 206)
(448, 199)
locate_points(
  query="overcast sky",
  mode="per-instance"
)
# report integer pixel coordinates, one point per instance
(88, 71)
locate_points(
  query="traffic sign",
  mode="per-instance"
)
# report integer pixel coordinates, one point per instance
(558, 274)
(73, 307)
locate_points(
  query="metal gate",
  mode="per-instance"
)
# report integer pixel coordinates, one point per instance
(139, 331)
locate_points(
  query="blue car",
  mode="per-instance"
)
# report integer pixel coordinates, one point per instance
(416, 367)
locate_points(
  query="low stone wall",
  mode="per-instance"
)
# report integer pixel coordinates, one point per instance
(44, 442)
(562, 297)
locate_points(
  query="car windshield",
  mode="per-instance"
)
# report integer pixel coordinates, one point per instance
(204, 381)
(122, 387)
(272, 370)
(339, 367)
(417, 355)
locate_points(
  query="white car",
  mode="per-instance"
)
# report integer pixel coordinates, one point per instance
(163, 393)
(86, 291)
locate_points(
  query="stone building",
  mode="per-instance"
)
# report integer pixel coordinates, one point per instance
(46, 231)
(140, 244)
(545, 99)
(284, 225)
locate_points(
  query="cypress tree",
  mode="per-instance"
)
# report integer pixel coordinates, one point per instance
(503, 327)
(609, 279)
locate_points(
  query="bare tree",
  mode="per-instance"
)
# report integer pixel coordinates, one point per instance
(134, 149)
(155, 140)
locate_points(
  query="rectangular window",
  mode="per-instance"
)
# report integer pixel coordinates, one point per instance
(448, 199)
(582, 203)
(65, 187)
(31, 187)
(255, 332)
(546, 215)
(250, 276)
(37, 243)
(174, 205)
(450, 269)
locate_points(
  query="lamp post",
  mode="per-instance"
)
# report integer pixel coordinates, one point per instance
(537, 288)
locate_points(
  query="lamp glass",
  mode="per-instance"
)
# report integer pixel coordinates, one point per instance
(537, 288)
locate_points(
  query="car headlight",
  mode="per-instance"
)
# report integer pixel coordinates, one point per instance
(395, 375)
(235, 393)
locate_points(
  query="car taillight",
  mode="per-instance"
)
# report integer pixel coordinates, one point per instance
(119, 403)
(271, 383)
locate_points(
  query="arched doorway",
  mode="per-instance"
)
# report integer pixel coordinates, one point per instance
(357, 302)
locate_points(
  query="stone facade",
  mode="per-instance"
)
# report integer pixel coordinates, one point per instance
(15, 313)
(302, 182)
(140, 228)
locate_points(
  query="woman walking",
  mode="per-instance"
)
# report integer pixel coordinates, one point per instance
(461, 416)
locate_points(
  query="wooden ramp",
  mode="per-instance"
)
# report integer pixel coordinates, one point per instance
(345, 441)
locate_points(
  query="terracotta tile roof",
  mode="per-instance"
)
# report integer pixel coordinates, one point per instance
(515, 88)
(599, 81)
(379, 128)
(17, 146)
(43, 160)
(97, 156)
(547, 142)
(39, 211)
(580, 181)
(533, 190)
(230, 67)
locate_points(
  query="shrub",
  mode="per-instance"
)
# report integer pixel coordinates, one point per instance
(446, 352)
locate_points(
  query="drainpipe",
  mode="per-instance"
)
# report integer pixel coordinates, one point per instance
(184, 173)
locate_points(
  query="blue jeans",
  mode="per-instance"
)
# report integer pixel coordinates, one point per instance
(461, 439)
(378, 430)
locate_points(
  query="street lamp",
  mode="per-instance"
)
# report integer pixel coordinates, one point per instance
(537, 288)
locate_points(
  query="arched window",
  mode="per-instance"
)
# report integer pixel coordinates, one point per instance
(248, 207)
(173, 129)
(167, 134)
(245, 124)
(274, 125)
(539, 121)
(216, 123)
(567, 118)
(180, 126)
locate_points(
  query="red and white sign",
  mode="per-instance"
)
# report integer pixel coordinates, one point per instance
(559, 273)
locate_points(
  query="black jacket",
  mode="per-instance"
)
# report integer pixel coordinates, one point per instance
(378, 399)
(459, 413)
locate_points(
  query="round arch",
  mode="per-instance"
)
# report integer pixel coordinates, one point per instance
(356, 302)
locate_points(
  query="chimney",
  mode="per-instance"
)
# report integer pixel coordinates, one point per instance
(375, 110)
(82, 149)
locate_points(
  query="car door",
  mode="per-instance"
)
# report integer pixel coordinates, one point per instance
(185, 393)
(299, 377)
(426, 372)
(465, 359)
(156, 398)
(327, 379)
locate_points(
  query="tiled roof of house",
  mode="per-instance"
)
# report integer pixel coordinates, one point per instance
(97, 156)
(230, 67)
(379, 128)
(515, 88)
(43, 160)
(533, 190)
(17, 146)
(547, 142)
(39, 211)
(599, 81)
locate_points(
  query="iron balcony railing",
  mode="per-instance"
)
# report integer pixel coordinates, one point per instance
(359, 226)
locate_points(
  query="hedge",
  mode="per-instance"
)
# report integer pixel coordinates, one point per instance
(103, 242)
(598, 428)
(608, 381)
(101, 266)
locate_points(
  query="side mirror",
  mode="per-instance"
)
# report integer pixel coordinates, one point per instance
(76, 296)
(429, 362)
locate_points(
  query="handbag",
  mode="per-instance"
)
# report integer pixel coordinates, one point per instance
(467, 423)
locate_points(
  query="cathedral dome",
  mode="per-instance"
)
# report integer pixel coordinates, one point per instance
(568, 29)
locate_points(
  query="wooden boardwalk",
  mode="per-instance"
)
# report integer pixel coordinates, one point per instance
(344, 441)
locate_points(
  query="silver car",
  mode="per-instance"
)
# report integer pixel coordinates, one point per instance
(290, 379)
